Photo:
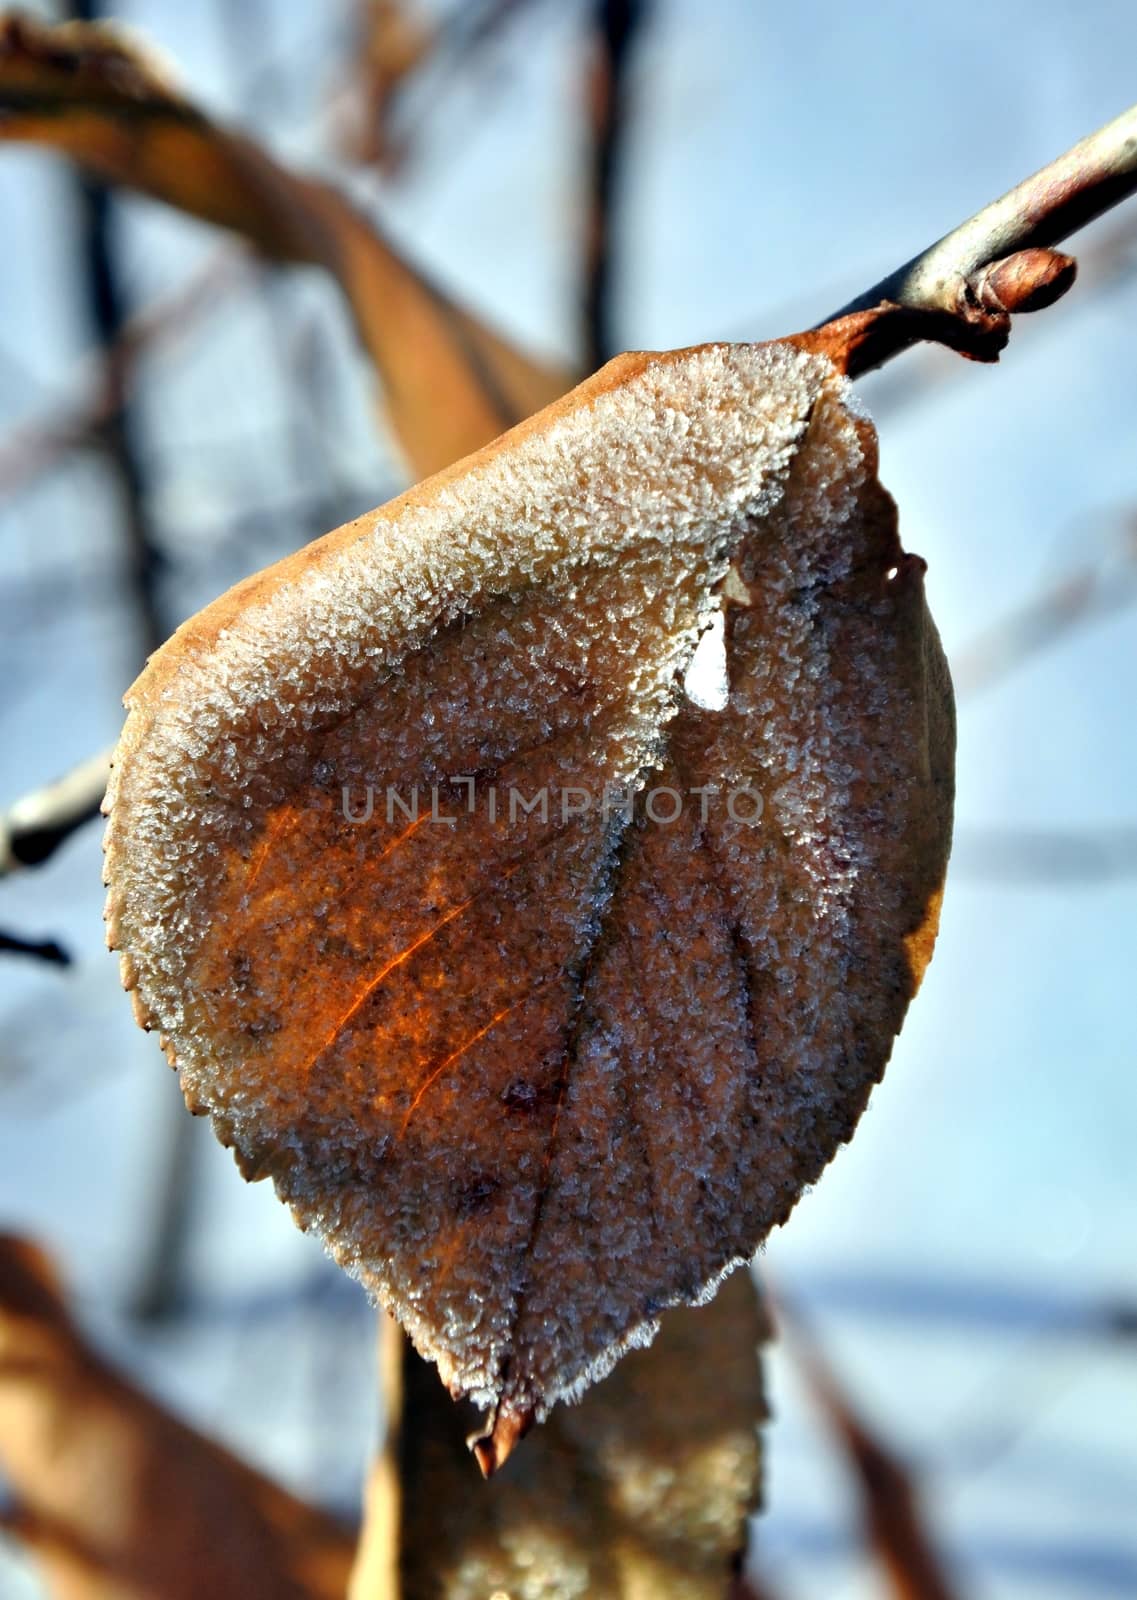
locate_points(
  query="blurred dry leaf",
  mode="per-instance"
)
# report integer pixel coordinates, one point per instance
(538, 1071)
(450, 383)
(395, 42)
(640, 1492)
(118, 1500)
(399, 42)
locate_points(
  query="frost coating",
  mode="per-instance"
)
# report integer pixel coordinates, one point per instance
(534, 1077)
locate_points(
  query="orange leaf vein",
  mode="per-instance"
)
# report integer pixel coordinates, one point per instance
(498, 1016)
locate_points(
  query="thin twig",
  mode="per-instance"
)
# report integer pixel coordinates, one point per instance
(616, 26)
(962, 289)
(34, 827)
(106, 375)
(1088, 593)
(117, 433)
(1037, 213)
(170, 1211)
(1106, 264)
(1030, 855)
(1033, 857)
(49, 950)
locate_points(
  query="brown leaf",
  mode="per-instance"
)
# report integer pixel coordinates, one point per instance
(394, 44)
(641, 1490)
(450, 383)
(117, 1499)
(536, 1075)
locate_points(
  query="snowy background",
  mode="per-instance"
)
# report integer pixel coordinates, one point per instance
(970, 1261)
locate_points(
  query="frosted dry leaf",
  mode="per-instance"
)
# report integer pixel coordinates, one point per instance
(536, 1074)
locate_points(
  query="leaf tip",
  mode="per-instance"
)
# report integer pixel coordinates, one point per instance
(492, 1449)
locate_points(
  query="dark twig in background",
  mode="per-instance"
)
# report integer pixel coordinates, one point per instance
(1029, 855)
(617, 24)
(49, 950)
(1047, 857)
(746, 1587)
(172, 1202)
(107, 378)
(1087, 594)
(116, 431)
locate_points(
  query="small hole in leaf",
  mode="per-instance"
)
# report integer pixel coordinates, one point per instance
(704, 682)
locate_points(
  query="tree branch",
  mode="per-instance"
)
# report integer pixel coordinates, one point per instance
(33, 828)
(1047, 857)
(1098, 588)
(617, 24)
(961, 291)
(49, 950)
(107, 375)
